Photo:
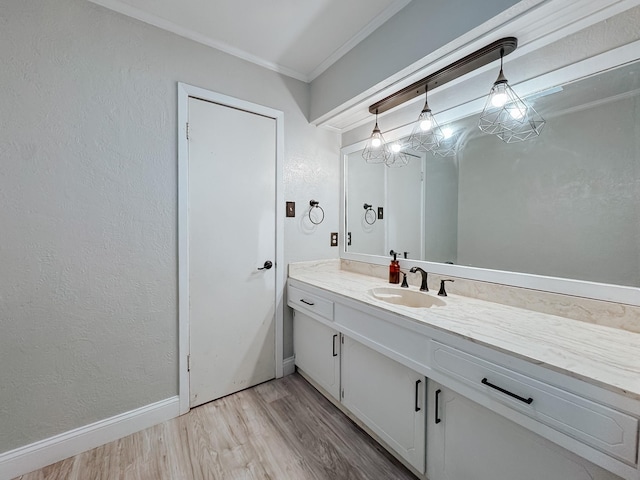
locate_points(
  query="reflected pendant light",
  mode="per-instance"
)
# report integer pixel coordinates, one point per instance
(506, 115)
(398, 158)
(449, 145)
(376, 150)
(426, 135)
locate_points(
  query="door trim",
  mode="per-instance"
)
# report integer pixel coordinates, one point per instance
(184, 92)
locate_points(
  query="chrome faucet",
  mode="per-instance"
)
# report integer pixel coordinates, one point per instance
(423, 285)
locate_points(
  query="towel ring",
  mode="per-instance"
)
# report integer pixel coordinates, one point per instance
(367, 217)
(315, 204)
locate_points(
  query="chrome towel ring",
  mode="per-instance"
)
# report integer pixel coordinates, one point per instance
(315, 205)
(369, 215)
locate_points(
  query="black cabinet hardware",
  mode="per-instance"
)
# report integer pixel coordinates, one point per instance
(418, 382)
(307, 302)
(334, 345)
(528, 401)
(438, 419)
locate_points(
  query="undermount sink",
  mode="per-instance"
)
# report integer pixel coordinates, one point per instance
(405, 297)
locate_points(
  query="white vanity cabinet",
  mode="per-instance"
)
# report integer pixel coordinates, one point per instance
(468, 441)
(487, 414)
(387, 397)
(317, 352)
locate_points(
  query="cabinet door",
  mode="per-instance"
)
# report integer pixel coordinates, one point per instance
(317, 352)
(466, 441)
(388, 397)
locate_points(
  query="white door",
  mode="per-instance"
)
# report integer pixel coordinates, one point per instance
(405, 207)
(231, 234)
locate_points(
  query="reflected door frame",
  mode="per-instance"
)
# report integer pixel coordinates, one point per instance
(184, 92)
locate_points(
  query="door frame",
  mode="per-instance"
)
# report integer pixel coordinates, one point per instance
(186, 91)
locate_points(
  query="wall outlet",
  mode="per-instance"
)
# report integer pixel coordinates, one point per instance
(334, 239)
(291, 209)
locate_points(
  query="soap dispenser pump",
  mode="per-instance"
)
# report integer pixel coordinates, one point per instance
(394, 268)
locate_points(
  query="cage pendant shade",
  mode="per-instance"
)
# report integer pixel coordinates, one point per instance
(507, 116)
(376, 150)
(397, 159)
(448, 146)
(426, 134)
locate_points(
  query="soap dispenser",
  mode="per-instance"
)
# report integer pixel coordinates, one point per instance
(394, 269)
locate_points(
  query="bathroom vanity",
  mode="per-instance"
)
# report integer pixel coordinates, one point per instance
(469, 388)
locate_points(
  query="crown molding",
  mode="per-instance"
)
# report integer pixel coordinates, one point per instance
(156, 21)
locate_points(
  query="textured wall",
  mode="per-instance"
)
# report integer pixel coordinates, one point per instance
(564, 204)
(88, 188)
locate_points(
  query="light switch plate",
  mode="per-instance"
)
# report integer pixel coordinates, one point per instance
(380, 213)
(291, 209)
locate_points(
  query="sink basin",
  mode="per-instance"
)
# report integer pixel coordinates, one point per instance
(405, 297)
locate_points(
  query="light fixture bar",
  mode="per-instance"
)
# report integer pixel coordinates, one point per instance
(465, 65)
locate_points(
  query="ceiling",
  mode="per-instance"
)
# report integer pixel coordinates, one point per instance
(300, 39)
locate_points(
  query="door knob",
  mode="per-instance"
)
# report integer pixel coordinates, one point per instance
(267, 265)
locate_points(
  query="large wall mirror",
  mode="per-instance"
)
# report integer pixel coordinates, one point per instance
(564, 205)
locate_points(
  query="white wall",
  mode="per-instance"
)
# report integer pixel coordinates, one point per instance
(88, 221)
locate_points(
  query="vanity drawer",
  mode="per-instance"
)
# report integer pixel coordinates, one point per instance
(309, 303)
(601, 427)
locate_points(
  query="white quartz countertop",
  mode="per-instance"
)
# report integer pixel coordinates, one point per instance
(604, 356)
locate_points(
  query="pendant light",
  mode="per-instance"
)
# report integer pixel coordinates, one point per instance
(506, 115)
(376, 150)
(398, 157)
(449, 145)
(426, 135)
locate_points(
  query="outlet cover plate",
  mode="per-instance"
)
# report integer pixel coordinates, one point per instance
(334, 239)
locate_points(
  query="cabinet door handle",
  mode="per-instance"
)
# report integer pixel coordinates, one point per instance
(418, 382)
(334, 345)
(307, 302)
(528, 401)
(438, 419)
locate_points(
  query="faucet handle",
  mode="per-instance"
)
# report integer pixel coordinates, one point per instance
(443, 292)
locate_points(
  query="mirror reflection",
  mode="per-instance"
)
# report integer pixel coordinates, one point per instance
(564, 204)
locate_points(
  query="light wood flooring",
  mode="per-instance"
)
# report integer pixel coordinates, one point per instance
(280, 430)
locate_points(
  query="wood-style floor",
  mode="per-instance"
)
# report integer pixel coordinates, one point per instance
(280, 430)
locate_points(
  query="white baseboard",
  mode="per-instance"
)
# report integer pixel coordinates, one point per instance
(288, 366)
(50, 450)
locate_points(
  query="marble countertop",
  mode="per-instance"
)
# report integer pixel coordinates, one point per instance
(600, 355)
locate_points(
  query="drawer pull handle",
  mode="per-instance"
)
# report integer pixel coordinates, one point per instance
(334, 345)
(307, 302)
(528, 401)
(438, 419)
(418, 382)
